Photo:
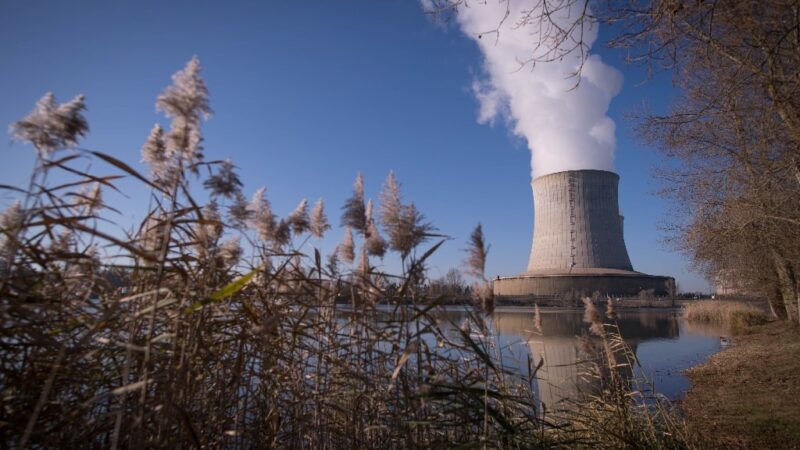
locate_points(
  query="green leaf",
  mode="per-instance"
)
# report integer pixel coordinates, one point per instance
(228, 290)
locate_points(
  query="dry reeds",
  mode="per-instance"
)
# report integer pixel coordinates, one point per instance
(736, 316)
(619, 408)
(202, 331)
(198, 330)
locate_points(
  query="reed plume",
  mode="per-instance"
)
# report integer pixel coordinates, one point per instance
(231, 251)
(537, 318)
(239, 212)
(405, 226)
(477, 250)
(354, 212)
(185, 101)
(260, 215)
(319, 221)
(225, 183)
(154, 153)
(347, 249)
(52, 126)
(90, 199)
(592, 317)
(375, 244)
(611, 311)
(11, 223)
(298, 219)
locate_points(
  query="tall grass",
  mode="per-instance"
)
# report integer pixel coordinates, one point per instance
(218, 325)
(736, 316)
(622, 409)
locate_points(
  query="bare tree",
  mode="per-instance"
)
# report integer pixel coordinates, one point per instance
(734, 132)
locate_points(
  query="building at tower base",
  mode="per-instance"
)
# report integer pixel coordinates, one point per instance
(578, 245)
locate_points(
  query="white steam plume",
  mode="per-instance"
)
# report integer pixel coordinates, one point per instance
(566, 126)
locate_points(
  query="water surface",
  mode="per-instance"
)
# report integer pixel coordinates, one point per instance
(664, 343)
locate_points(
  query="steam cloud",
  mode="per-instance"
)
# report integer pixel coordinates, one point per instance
(566, 128)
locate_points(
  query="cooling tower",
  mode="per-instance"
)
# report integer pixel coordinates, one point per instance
(577, 223)
(578, 244)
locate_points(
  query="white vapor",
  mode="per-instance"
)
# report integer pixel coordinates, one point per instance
(566, 126)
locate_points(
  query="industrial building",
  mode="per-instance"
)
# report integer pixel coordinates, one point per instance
(578, 244)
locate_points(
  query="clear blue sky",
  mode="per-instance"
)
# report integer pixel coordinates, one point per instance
(305, 95)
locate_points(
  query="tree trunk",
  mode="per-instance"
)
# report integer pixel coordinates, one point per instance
(787, 286)
(775, 302)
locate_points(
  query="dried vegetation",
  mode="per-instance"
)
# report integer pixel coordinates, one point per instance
(736, 316)
(206, 326)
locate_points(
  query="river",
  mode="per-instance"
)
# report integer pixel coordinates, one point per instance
(663, 342)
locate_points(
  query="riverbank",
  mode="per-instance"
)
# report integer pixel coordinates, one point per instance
(577, 302)
(748, 396)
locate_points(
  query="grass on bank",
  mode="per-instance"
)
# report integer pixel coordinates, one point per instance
(748, 396)
(736, 316)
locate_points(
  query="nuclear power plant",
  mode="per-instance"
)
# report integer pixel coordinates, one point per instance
(578, 243)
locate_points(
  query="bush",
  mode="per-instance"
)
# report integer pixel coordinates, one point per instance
(736, 316)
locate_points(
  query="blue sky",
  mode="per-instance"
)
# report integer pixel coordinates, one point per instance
(307, 94)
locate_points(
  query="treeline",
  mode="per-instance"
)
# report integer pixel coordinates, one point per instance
(735, 136)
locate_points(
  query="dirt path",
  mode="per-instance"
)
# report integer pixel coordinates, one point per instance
(748, 396)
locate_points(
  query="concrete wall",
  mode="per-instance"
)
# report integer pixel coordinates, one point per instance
(528, 286)
(577, 222)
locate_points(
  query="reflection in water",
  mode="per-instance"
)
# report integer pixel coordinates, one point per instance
(702, 329)
(559, 375)
(661, 340)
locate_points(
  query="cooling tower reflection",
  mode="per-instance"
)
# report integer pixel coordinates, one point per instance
(655, 336)
(661, 340)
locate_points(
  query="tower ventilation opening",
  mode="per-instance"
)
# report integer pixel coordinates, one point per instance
(573, 233)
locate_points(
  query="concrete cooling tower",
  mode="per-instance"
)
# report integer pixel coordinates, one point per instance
(578, 244)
